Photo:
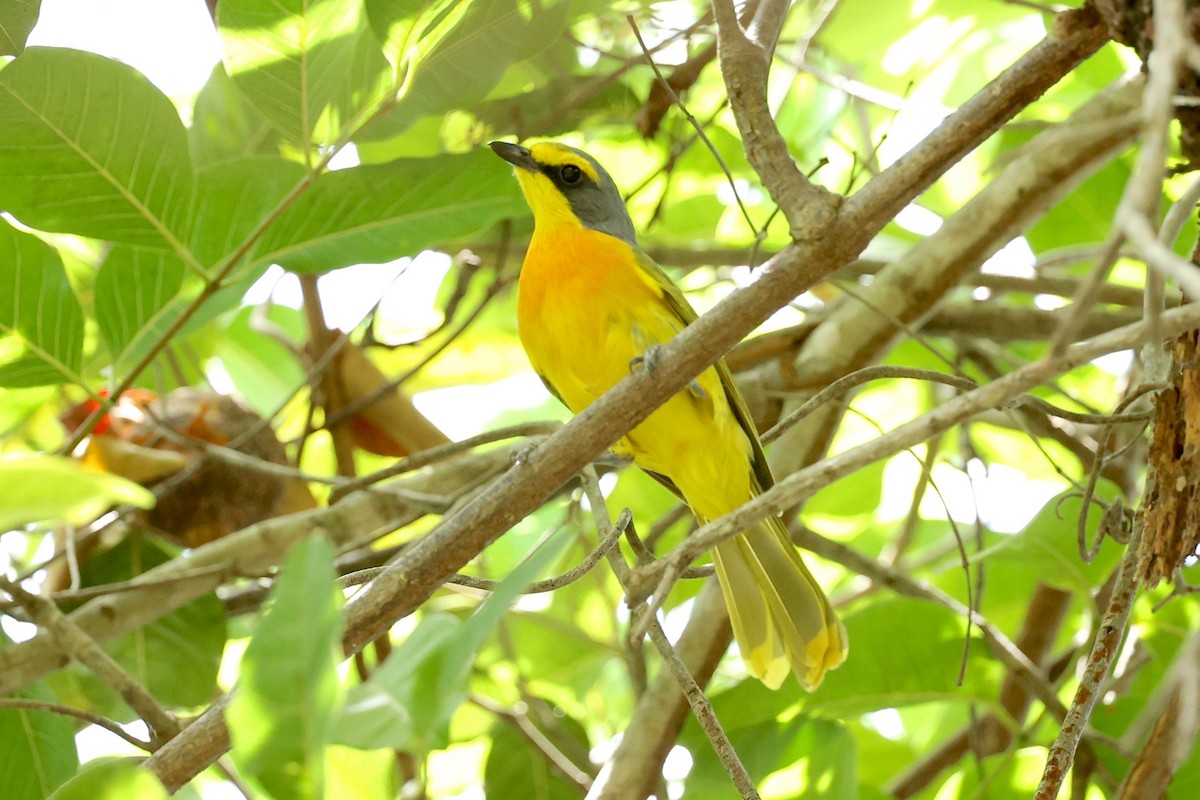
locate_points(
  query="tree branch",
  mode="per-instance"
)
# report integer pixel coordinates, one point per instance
(1104, 650)
(800, 485)
(357, 519)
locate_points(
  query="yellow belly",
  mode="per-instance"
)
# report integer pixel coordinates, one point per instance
(586, 313)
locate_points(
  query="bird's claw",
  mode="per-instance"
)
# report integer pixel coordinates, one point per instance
(649, 358)
(519, 454)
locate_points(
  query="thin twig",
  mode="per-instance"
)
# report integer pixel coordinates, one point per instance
(695, 123)
(22, 704)
(704, 713)
(442, 452)
(103, 590)
(701, 707)
(867, 374)
(1019, 665)
(1088, 554)
(1104, 650)
(1143, 192)
(539, 741)
(83, 648)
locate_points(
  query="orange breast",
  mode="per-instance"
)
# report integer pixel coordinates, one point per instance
(580, 293)
(586, 311)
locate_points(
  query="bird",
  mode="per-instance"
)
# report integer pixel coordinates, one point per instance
(591, 307)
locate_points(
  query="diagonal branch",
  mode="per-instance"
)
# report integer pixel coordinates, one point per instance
(800, 485)
(420, 570)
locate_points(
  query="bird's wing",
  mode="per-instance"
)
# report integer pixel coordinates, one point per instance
(683, 310)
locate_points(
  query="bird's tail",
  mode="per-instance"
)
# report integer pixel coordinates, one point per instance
(781, 619)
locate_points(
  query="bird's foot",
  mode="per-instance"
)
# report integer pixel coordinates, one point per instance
(650, 360)
(519, 454)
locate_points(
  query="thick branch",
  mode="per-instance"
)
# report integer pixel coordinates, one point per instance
(1076, 35)
(420, 570)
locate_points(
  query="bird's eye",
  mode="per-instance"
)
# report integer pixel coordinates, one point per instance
(571, 174)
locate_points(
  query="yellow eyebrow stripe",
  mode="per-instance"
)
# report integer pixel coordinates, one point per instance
(553, 155)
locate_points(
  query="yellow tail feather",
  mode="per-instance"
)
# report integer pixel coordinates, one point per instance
(781, 619)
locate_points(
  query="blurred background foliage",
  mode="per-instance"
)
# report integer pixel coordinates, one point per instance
(327, 180)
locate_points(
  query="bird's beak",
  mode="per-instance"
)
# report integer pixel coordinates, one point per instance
(514, 154)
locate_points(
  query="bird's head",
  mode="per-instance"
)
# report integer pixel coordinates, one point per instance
(564, 185)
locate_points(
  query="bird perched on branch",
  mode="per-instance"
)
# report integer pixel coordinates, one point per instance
(591, 307)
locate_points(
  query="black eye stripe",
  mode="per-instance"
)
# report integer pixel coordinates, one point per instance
(571, 174)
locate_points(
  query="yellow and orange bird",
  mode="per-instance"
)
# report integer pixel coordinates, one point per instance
(591, 304)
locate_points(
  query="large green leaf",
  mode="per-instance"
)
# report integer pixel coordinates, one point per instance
(515, 768)
(19, 370)
(903, 652)
(37, 749)
(1047, 551)
(17, 18)
(378, 713)
(176, 657)
(801, 758)
(462, 53)
(156, 328)
(42, 488)
(307, 65)
(226, 126)
(408, 701)
(132, 286)
(377, 213)
(279, 715)
(38, 306)
(265, 371)
(112, 779)
(233, 198)
(393, 23)
(90, 146)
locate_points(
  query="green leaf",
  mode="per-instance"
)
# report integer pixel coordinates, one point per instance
(25, 371)
(279, 715)
(17, 18)
(392, 22)
(233, 198)
(132, 286)
(37, 749)
(463, 53)
(1085, 215)
(515, 768)
(855, 494)
(361, 775)
(226, 126)
(264, 370)
(407, 703)
(445, 679)
(90, 146)
(43, 488)
(156, 328)
(308, 66)
(112, 779)
(378, 713)
(176, 657)
(38, 306)
(801, 758)
(376, 213)
(910, 652)
(1047, 550)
